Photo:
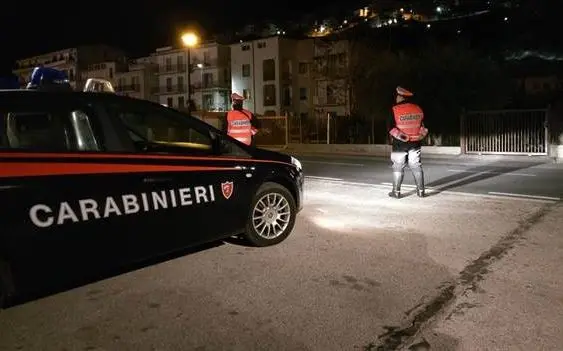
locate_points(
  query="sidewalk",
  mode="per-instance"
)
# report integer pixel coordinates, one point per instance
(434, 158)
(519, 303)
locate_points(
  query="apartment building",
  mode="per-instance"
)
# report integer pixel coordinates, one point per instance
(209, 79)
(73, 61)
(273, 75)
(139, 79)
(331, 75)
(104, 70)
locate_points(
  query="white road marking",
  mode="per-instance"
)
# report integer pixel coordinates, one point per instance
(526, 196)
(431, 190)
(334, 163)
(492, 172)
(323, 178)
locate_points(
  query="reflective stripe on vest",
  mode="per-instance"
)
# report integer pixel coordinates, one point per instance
(408, 118)
(239, 126)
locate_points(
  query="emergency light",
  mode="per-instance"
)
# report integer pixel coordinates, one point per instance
(47, 78)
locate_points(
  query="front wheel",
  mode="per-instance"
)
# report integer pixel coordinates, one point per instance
(272, 215)
(6, 284)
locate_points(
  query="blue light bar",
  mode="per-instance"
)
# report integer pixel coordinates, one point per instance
(46, 78)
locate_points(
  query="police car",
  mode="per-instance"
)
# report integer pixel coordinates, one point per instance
(89, 177)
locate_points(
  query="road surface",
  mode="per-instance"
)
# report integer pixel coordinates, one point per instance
(529, 178)
(354, 266)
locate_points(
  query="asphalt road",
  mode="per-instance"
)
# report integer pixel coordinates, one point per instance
(533, 179)
(356, 263)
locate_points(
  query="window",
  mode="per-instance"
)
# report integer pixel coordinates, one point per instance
(181, 102)
(49, 131)
(42, 131)
(246, 70)
(245, 47)
(208, 102)
(304, 116)
(246, 94)
(152, 129)
(261, 45)
(286, 96)
(303, 68)
(269, 95)
(269, 69)
(168, 84)
(169, 102)
(302, 94)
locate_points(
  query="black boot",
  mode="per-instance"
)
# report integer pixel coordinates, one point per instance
(419, 181)
(397, 181)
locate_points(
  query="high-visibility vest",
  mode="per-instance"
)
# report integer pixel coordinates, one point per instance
(408, 121)
(239, 126)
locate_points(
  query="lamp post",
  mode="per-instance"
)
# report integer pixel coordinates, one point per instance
(189, 39)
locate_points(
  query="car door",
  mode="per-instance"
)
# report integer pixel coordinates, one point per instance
(196, 197)
(60, 207)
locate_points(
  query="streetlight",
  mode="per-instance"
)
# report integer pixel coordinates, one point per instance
(189, 39)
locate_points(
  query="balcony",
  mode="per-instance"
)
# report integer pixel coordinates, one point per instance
(169, 89)
(171, 69)
(330, 72)
(215, 84)
(330, 100)
(205, 64)
(129, 88)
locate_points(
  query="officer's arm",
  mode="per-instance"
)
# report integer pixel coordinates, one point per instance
(255, 122)
(224, 123)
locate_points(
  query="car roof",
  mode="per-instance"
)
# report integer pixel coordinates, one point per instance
(22, 94)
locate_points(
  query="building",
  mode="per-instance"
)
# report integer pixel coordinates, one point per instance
(73, 61)
(104, 70)
(273, 75)
(139, 79)
(209, 80)
(331, 74)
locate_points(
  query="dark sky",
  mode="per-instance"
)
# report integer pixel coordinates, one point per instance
(29, 28)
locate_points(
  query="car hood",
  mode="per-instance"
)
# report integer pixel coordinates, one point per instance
(265, 154)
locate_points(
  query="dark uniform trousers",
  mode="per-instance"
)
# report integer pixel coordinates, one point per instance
(403, 154)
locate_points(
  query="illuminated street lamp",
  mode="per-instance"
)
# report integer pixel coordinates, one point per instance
(190, 40)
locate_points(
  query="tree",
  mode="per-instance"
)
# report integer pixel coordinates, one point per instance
(445, 80)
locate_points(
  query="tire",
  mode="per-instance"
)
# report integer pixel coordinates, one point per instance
(255, 233)
(6, 284)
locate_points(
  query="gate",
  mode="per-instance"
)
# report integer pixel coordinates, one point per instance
(509, 132)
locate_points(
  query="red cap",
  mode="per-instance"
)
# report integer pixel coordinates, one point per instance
(235, 96)
(403, 92)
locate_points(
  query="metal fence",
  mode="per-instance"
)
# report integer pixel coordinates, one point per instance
(517, 132)
(273, 131)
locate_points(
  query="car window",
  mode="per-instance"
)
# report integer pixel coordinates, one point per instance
(151, 127)
(35, 130)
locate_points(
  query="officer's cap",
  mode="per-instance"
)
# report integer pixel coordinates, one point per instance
(403, 92)
(236, 97)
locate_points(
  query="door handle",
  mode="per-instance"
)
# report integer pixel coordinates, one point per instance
(157, 180)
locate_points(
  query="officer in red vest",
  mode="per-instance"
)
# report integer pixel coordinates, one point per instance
(240, 123)
(407, 136)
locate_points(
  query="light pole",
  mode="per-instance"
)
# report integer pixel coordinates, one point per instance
(189, 39)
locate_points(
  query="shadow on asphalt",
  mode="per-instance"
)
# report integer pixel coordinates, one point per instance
(75, 277)
(475, 174)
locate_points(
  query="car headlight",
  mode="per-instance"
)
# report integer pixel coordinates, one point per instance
(296, 163)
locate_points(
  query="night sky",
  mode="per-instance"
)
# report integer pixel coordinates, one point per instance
(30, 28)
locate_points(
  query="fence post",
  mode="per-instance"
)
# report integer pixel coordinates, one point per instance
(462, 140)
(286, 129)
(300, 131)
(328, 128)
